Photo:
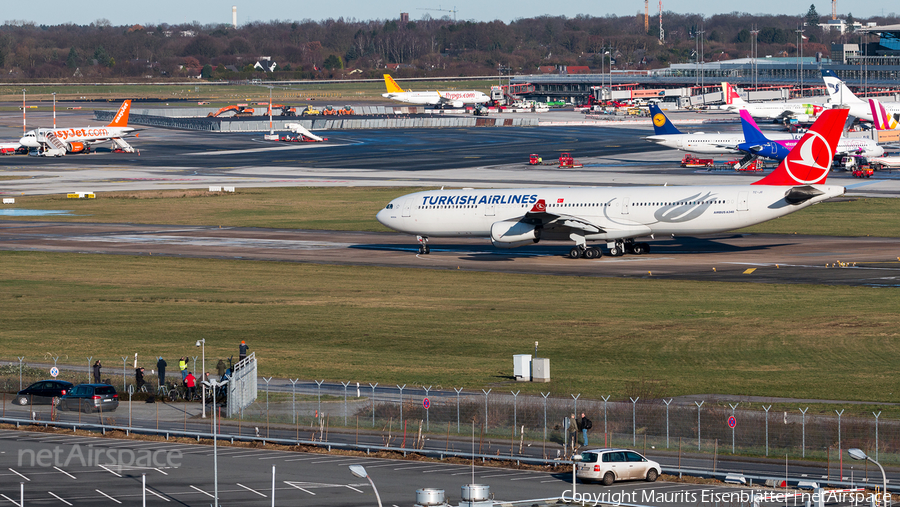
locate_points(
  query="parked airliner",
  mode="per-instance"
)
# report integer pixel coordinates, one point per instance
(752, 141)
(840, 95)
(58, 142)
(618, 215)
(455, 99)
(769, 110)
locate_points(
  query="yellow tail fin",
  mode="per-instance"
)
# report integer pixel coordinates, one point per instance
(392, 86)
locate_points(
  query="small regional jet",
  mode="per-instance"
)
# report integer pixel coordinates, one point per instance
(769, 110)
(619, 215)
(840, 95)
(58, 142)
(753, 142)
(441, 99)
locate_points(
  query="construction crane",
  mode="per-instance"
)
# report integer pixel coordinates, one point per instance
(646, 16)
(453, 10)
(833, 10)
(662, 33)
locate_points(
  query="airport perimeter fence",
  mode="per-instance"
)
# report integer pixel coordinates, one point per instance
(696, 427)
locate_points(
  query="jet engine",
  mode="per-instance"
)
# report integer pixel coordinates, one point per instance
(514, 234)
(75, 147)
(457, 103)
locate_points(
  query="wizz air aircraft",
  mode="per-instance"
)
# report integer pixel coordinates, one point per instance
(619, 215)
(58, 142)
(753, 142)
(455, 99)
(840, 95)
(769, 110)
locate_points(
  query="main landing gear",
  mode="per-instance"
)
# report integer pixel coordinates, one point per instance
(423, 245)
(616, 249)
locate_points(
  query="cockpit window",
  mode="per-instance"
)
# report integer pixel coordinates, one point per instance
(389, 206)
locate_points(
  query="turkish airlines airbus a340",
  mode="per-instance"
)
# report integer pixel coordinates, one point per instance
(619, 215)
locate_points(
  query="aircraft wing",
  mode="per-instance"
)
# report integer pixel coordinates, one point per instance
(554, 221)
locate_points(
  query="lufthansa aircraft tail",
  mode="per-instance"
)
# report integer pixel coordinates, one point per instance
(880, 117)
(392, 86)
(810, 160)
(121, 117)
(661, 123)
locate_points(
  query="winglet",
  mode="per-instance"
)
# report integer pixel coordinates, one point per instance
(539, 207)
(810, 160)
(391, 85)
(121, 117)
(661, 123)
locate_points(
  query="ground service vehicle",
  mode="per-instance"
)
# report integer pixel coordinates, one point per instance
(535, 159)
(42, 393)
(611, 465)
(90, 398)
(242, 111)
(692, 161)
(310, 111)
(566, 160)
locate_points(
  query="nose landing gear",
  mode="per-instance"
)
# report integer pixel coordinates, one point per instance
(423, 245)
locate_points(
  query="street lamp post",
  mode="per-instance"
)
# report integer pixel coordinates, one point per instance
(360, 471)
(575, 459)
(202, 344)
(54, 114)
(860, 455)
(214, 384)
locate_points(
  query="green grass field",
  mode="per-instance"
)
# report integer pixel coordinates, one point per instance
(354, 209)
(603, 336)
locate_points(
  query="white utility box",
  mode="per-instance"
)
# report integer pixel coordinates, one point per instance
(540, 371)
(522, 367)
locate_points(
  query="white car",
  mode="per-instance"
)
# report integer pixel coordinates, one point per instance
(610, 465)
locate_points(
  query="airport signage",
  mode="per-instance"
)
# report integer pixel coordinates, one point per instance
(732, 422)
(426, 403)
(54, 372)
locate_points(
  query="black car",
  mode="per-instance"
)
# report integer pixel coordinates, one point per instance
(90, 398)
(42, 393)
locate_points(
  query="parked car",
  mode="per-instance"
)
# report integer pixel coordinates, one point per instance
(90, 398)
(610, 465)
(42, 393)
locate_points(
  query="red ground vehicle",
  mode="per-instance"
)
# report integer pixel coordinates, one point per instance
(566, 160)
(535, 159)
(863, 172)
(692, 161)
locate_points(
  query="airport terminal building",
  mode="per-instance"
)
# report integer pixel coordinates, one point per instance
(866, 64)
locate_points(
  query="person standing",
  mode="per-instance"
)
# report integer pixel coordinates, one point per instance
(182, 365)
(586, 424)
(97, 367)
(243, 350)
(161, 368)
(191, 384)
(573, 433)
(220, 369)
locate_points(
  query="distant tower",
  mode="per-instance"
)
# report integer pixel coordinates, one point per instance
(646, 16)
(662, 33)
(833, 9)
(404, 17)
(234, 16)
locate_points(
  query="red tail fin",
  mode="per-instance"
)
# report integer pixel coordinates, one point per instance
(809, 161)
(539, 207)
(121, 117)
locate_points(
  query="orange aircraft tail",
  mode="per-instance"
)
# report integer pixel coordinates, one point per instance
(121, 117)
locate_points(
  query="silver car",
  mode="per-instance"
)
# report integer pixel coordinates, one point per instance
(610, 465)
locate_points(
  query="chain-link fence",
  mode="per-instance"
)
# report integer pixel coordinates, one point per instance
(697, 426)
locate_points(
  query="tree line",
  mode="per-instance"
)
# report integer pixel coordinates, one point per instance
(340, 48)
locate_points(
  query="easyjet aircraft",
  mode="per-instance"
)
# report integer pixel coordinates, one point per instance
(455, 99)
(769, 110)
(58, 142)
(619, 215)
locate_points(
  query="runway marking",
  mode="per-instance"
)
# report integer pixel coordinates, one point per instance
(107, 496)
(11, 500)
(110, 471)
(298, 487)
(210, 241)
(63, 471)
(305, 146)
(200, 490)
(58, 498)
(157, 494)
(20, 475)
(354, 489)
(251, 490)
